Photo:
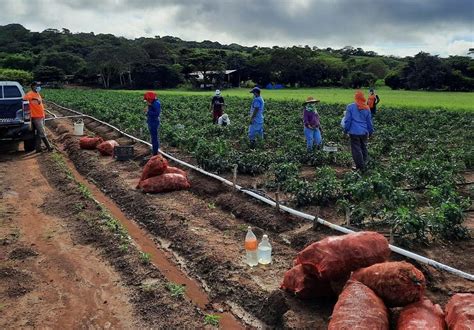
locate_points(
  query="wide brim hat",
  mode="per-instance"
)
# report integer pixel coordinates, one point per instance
(255, 89)
(310, 99)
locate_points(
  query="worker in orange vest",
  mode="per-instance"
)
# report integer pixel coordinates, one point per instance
(372, 101)
(37, 116)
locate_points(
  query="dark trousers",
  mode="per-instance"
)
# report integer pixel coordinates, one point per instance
(373, 111)
(359, 150)
(40, 134)
(154, 127)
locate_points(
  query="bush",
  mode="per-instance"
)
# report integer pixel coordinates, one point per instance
(23, 77)
(48, 74)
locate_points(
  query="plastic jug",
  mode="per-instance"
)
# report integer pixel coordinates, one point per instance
(79, 128)
(264, 251)
(251, 257)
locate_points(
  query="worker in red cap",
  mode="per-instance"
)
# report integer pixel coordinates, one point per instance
(153, 110)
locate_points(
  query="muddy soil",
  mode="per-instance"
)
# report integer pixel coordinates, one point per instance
(61, 268)
(205, 228)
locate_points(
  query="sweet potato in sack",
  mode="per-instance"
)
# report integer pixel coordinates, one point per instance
(334, 257)
(421, 315)
(305, 286)
(358, 307)
(164, 183)
(397, 283)
(171, 169)
(106, 148)
(90, 143)
(155, 166)
(460, 312)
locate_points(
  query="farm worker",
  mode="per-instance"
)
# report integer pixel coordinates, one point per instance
(312, 124)
(372, 101)
(217, 106)
(153, 111)
(256, 116)
(223, 120)
(358, 124)
(37, 116)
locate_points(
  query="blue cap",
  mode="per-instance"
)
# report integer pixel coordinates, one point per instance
(255, 89)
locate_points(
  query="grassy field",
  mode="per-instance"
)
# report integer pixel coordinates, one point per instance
(389, 98)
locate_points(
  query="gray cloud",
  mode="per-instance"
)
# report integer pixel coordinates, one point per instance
(412, 25)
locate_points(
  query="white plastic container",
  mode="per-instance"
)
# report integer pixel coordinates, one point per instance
(264, 251)
(251, 245)
(79, 128)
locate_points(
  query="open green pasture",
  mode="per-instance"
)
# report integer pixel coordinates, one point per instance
(459, 101)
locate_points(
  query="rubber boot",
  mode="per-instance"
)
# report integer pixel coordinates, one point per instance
(47, 144)
(38, 144)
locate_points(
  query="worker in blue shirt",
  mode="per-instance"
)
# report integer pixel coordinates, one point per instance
(153, 110)
(358, 124)
(256, 116)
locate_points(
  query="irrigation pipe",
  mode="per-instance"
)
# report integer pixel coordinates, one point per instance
(294, 212)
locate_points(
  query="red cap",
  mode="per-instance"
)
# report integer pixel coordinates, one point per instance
(149, 96)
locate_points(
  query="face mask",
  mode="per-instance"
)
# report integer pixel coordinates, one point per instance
(38, 89)
(310, 108)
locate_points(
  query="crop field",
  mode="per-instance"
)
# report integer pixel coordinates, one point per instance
(419, 159)
(457, 101)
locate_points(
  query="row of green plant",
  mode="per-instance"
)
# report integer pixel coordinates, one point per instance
(412, 154)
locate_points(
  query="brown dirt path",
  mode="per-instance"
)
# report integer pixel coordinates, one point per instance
(46, 280)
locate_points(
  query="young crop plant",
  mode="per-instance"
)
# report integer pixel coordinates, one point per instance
(176, 290)
(145, 258)
(211, 319)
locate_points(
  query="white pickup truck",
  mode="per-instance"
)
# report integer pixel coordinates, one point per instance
(15, 121)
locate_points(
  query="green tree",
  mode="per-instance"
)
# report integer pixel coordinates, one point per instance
(19, 61)
(48, 74)
(69, 63)
(23, 77)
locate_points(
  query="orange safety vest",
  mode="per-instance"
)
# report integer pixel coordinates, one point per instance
(36, 104)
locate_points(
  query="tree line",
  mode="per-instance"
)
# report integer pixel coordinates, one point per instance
(166, 62)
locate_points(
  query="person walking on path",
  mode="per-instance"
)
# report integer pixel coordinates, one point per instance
(37, 116)
(217, 106)
(312, 124)
(372, 101)
(358, 124)
(153, 111)
(256, 116)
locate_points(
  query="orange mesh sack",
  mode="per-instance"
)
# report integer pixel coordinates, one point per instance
(358, 307)
(460, 312)
(171, 169)
(335, 257)
(107, 148)
(305, 286)
(155, 166)
(164, 183)
(397, 283)
(421, 315)
(90, 143)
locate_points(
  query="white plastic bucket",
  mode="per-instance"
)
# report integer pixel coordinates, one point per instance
(79, 128)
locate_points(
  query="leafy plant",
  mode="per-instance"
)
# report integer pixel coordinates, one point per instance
(211, 319)
(145, 258)
(177, 290)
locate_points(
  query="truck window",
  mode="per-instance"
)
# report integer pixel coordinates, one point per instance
(1, 92)
(11, 91)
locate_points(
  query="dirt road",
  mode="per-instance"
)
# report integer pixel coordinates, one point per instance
(47, 279)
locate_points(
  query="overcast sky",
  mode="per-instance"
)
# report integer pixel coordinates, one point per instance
(391, 27)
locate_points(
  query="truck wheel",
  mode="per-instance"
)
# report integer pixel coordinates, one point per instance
(29, 145)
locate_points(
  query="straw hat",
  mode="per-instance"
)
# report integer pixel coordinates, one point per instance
(310, 99)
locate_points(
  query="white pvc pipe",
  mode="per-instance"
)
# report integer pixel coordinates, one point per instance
(294, 212)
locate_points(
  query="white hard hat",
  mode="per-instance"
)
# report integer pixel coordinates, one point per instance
(218, 92)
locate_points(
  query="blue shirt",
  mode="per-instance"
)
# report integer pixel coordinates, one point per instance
(153, 113)
(357, 122)
(260, 104)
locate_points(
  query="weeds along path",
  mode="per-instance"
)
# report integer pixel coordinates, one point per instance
(205, 228)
